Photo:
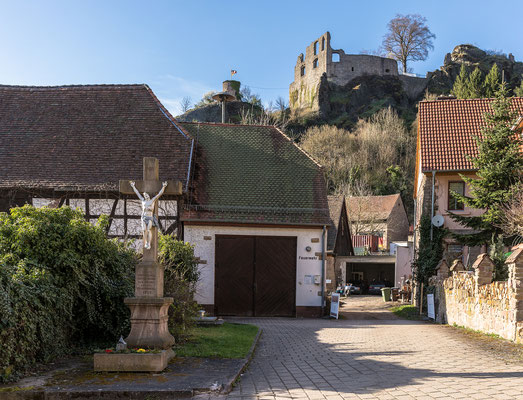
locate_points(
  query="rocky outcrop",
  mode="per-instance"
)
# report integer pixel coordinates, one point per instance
(442, 80)
(362, 97)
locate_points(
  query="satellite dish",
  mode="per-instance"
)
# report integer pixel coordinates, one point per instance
(438, 220)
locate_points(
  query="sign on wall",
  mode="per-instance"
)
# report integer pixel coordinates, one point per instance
(430, 306)
(335, 305)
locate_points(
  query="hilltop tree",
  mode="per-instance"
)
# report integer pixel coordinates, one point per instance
(185, 104)
(460, 89)
(408, 39)
(491, 84)
(498, 164)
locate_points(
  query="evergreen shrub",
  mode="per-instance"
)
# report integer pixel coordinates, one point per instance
(62, 284)
(181, 275)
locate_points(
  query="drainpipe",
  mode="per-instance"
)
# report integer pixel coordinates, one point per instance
(414, 232)
(323, 270)
(432, 204)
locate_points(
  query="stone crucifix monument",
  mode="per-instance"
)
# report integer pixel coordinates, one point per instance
(149, 309)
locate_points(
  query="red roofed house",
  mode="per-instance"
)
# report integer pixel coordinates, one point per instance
(446, 130)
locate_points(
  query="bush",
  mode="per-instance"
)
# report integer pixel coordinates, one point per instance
(430, 251)
(62, 284)
(181, 275)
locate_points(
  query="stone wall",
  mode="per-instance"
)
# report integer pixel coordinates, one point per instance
(472, 300)
(339, 68)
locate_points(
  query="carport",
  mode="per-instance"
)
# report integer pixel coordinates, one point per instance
(369, 269)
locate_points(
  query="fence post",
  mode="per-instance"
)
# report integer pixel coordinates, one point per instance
(483, 269)
(515, 282)
(457, 266)
(442, 270)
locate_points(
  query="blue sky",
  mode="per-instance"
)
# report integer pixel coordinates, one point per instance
(186, 48)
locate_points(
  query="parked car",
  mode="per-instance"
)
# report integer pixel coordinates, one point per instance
(356, 287)
(375, 288)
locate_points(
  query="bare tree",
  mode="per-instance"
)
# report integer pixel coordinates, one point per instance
(512, 220)
(185, 104)
(281, 104)
(408, 38)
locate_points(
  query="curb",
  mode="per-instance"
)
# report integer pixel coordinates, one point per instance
(227, 387)
(42, 394)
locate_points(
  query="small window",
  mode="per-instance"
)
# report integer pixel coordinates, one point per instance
(352, 69)
(387, 70)
(335, 57)
(322, 44)
(456, 187)
(315, 48)
(302, 71)
(301, 57)
(315, 63)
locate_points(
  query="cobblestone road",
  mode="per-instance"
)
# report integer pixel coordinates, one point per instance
(377, 358)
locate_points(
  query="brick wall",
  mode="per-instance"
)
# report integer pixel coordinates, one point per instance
(472, 300)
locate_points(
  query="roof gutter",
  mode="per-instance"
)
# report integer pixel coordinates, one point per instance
(189, 168)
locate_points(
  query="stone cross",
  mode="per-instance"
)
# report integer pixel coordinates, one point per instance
(149, 309)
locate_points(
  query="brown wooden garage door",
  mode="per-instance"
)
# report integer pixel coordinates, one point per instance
(255, 276)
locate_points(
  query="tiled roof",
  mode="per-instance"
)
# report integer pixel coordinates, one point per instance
(447, 129)
(253, 174)
(371, 208)
(335, 207)
(86, 137)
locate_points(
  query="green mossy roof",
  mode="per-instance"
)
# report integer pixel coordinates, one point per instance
(248, 174)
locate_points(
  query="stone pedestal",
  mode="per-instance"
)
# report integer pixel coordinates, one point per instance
(149, 322)
(149, 309)
(148, 362)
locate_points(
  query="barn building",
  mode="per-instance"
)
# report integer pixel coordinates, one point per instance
(257, 215)
(253, 203)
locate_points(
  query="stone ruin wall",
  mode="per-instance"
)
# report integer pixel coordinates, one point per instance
(471, 300)
(338, 67)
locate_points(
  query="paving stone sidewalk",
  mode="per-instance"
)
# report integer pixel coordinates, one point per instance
(372, 359)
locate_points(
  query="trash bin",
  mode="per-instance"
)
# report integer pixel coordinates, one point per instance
(385, 293)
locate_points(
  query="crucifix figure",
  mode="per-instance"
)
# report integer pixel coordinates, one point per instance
(148, 216)
(149, 190)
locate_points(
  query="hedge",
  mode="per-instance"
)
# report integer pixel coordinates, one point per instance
(62, 284)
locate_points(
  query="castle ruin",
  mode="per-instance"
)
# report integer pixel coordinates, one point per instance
(336, 66)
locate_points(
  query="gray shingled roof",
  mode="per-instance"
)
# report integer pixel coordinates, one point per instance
(86, 137)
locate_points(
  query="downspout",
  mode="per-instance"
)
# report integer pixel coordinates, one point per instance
(414, 232)
(323, 270)
(432, 204)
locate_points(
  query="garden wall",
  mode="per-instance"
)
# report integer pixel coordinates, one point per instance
(472, 300)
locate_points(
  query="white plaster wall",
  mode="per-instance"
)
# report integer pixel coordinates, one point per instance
(104, 206)
(306, 294)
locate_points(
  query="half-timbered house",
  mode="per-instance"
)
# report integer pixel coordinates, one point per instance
(72, 144)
